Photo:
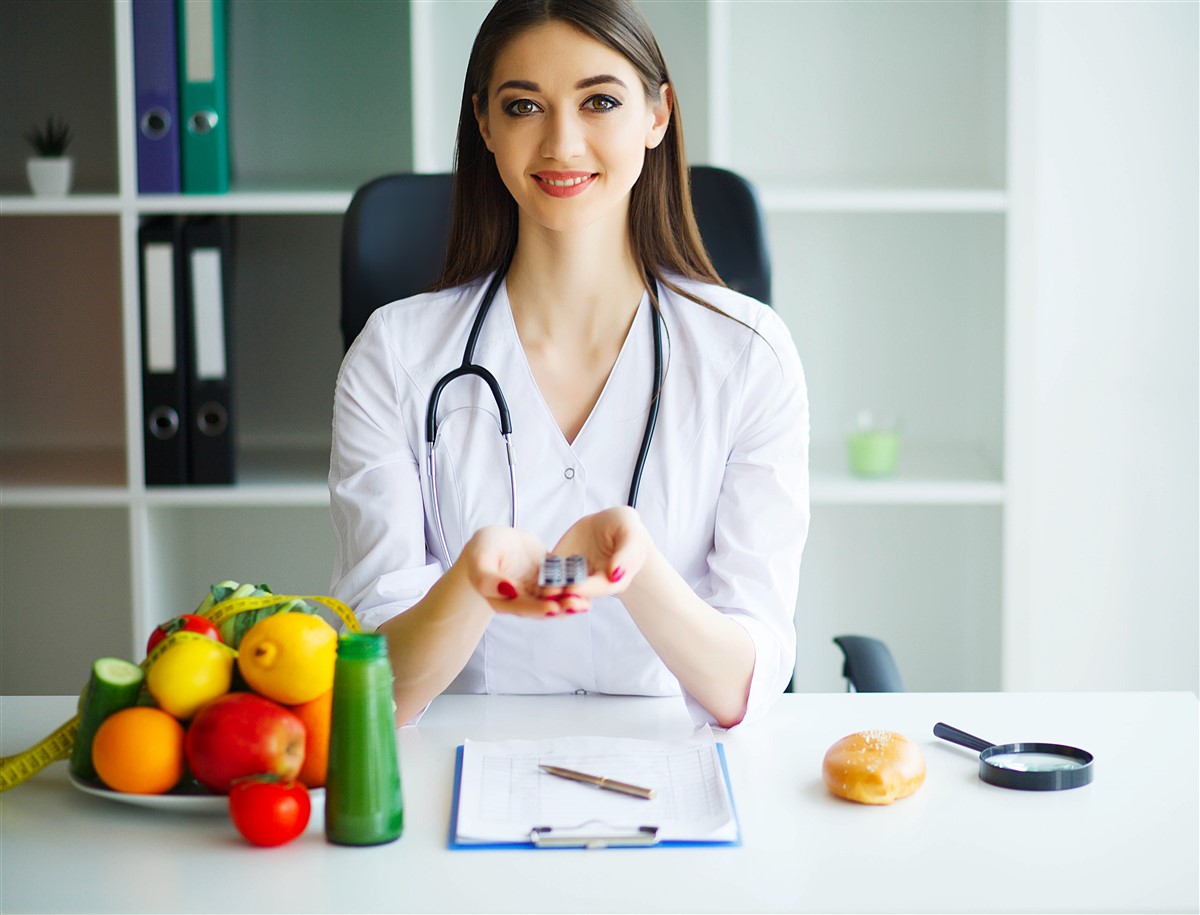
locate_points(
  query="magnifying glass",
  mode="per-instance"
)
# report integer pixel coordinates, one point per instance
(1025, 766)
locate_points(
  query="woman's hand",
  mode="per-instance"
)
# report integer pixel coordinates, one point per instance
(501, 563)
(615, 544)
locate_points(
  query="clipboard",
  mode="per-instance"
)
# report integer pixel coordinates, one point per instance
(588, 835)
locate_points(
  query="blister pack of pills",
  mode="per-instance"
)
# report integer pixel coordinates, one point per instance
(560, 571)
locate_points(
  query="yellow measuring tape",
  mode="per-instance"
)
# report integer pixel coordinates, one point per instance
(219, 613)
(24, 765)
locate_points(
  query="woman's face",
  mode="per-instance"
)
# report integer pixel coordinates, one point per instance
(569, 125)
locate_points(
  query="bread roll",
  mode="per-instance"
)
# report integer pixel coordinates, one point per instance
(873, 767)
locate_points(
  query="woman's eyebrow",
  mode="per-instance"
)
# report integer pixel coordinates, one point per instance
(599, 80)
(523, 84)
(526, 86)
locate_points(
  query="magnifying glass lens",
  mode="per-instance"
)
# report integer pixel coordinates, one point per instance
(1034, 762)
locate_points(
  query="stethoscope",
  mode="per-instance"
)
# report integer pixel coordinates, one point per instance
(469, 367)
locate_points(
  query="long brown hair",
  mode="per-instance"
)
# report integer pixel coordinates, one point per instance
(662, 227)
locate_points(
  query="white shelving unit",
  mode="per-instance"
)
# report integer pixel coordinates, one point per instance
(875, 133)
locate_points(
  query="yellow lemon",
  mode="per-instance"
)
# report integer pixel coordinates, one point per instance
(289, 657)
(189, 674)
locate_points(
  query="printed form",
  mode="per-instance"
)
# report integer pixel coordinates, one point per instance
(504, 794)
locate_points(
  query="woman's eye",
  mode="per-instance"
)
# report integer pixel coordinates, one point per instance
(601, 103)
(521, 106)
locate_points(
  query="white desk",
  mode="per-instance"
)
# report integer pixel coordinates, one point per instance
(1128, 842)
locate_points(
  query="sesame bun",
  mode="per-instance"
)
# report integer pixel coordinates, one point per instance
(873, 767)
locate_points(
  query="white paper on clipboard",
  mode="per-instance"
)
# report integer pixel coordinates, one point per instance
(503, 794)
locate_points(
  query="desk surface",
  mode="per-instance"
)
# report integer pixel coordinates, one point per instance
(1128, 842)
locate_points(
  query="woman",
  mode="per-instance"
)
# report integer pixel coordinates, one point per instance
(571, 207)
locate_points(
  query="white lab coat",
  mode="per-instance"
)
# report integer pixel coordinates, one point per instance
(724, 492)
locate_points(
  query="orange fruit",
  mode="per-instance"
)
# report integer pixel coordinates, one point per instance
(316, 715)
(139, 750)
(289, 657)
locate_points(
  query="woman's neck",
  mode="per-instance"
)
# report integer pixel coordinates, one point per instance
(580, 286)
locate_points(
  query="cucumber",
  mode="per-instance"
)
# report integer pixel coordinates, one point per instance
(113, 685)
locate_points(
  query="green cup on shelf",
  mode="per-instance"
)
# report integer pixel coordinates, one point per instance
(873, 446)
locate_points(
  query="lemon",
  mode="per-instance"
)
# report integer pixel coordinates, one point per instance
(289, 657)
(190, 674)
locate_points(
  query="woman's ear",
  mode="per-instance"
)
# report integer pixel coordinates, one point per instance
(481, 120)
(662, 116)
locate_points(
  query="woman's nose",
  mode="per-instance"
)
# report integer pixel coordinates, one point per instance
(564, 137)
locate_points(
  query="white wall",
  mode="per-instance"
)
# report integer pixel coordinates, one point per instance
(1102, 452)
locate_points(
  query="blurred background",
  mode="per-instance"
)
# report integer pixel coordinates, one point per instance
(983, 220)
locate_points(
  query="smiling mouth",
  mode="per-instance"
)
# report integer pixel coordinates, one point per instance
(565, 185)
(566, 182)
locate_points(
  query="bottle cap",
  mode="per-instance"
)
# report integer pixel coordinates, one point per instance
(362, 646)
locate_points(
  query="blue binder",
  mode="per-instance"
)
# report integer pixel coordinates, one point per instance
(156, 96)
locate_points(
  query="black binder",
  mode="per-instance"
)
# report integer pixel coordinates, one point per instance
(164, 353)
(208, 244)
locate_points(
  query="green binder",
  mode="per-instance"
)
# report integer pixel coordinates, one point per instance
(204, 149)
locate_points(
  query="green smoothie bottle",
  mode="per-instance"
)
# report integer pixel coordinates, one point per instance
(363, 805)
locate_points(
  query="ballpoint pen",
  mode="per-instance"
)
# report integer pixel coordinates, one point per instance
(599, 781)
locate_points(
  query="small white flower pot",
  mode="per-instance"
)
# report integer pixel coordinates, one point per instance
(49, 177)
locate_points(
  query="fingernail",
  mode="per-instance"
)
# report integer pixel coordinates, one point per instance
(616, 574)
(559, 598)
(551, 613)
(507, 591)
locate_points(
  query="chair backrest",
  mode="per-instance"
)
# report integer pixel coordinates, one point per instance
(394, 238)
(869, 667)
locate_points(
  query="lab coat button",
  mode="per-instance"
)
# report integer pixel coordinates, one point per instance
(569, 473)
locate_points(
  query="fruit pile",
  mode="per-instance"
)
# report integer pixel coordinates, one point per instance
(233, 699)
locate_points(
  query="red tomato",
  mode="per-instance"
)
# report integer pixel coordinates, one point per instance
(267, 811)
(188, 622)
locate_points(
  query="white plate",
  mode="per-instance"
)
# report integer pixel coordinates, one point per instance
(174, 803)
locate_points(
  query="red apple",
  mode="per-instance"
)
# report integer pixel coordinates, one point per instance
(243, 734)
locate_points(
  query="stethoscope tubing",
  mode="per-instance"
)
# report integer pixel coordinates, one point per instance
(469, 367)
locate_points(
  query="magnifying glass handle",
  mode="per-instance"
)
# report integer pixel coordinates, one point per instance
(962, 738)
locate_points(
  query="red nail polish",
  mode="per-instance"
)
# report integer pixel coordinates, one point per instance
(616, 574)
(507, 591)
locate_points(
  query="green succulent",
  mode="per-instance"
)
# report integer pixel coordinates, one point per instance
(52, 140)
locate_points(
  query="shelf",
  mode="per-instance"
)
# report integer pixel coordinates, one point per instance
(79, 479)
(875, 133)
(71, 205)
(266, 477)
(925, 475)
(782, 198)
(289, 477)
(249, 201)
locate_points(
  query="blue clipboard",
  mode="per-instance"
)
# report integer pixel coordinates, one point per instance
(645, 838)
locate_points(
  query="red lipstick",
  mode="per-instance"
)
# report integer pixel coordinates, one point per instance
(564, 184)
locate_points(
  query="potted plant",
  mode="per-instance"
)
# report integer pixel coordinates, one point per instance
(50, 170)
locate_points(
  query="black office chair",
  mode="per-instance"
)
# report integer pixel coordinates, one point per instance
(869, 667)
(395, 230)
